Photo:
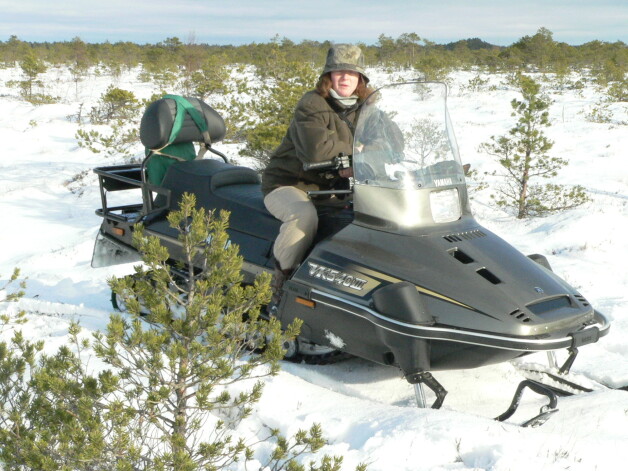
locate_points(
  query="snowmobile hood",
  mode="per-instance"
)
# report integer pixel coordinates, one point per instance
(470, 278)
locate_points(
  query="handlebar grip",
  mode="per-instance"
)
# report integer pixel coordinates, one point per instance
(319, 165)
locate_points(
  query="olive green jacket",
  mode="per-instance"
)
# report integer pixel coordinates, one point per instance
(317, 133)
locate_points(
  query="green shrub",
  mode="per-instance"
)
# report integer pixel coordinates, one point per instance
(523, 156)
(166, 401)
(268, 114)
(115, 104)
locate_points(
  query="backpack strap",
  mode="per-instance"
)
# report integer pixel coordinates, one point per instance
(182, 151)
(184, 107)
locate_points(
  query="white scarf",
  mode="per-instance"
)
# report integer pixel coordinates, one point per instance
(345, 101)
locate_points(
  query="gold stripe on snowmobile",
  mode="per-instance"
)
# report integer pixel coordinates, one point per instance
(420, 289)
(434, 294)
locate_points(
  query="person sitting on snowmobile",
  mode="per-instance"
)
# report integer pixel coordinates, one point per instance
(322, 128)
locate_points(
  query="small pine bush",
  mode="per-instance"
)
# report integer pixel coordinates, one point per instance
(523, 155)
(166, 401)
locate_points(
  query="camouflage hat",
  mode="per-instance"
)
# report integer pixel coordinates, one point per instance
(345, 57)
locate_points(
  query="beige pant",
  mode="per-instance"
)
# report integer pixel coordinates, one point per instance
(300, 221)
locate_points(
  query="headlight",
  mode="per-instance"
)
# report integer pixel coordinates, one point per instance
(445, 205)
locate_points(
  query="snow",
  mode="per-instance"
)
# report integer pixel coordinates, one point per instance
(48, 196)
(334, 340)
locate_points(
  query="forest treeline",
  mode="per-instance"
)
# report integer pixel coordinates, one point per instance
(539, 51)
(273, 76)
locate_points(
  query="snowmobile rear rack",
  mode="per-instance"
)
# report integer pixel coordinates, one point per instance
(128, 177)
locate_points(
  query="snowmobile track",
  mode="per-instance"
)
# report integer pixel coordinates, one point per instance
(327, 359)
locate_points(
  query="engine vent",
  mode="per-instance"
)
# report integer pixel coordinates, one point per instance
(549, 305)
(488, 275)
(520, 316)
(581, 299)
(460, 236)
(460, 256)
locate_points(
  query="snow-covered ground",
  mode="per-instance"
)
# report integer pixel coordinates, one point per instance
(47, 201)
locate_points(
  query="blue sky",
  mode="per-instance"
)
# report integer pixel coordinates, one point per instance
(243, 21)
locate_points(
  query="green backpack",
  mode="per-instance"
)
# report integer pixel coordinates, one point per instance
(158, 160)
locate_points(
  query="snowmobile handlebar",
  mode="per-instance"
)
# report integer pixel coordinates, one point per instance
(330, 169)
(339, 162)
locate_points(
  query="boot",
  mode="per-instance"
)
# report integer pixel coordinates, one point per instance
(279, 278)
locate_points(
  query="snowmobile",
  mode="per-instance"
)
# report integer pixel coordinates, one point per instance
(400, 273)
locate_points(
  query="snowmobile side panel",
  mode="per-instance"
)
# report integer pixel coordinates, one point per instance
(362, 331)
(480, 282)
(253, 249)
(220, 186)
(363, 334)
(588, 334)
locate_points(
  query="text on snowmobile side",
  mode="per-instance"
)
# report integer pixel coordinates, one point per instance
(336, 276)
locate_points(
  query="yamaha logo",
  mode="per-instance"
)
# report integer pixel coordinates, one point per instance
(336, 276)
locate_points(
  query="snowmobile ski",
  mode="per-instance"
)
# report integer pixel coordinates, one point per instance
(566, 384)
(546, 411)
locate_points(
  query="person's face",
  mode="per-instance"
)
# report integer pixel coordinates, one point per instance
(344, 82)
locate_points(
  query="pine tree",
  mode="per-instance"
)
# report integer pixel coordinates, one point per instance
(177, 362)
(31, 67)
(119, 110)
(13, 50)
(115, 104)
(191, 333)
(272, 106)
(160, 64)
(523, 155)
(79, 63)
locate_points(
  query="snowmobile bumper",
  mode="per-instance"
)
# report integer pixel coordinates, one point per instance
(591, 333)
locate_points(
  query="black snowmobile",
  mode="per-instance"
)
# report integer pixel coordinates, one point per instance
(401, 275)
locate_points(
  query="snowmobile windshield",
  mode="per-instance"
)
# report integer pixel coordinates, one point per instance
(404, 140)
(405, 160)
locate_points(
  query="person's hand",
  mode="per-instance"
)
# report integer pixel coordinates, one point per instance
(346, 172)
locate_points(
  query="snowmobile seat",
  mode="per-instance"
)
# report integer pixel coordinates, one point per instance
(160, 120)
(220, 185)
(170, 127)
(227, 175)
